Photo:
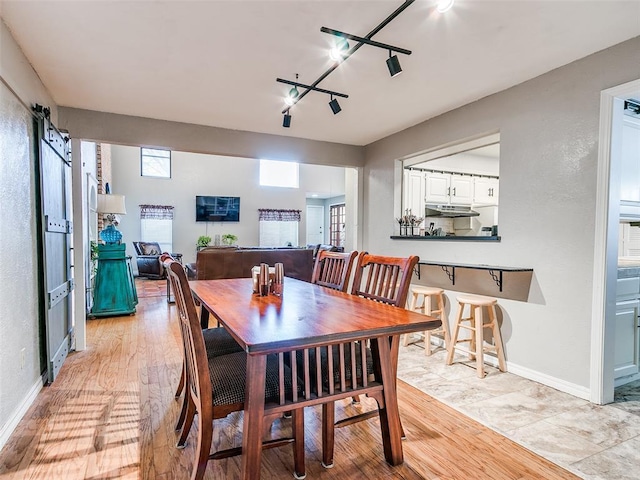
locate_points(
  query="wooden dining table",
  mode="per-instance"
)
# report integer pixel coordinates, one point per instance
(306, 318)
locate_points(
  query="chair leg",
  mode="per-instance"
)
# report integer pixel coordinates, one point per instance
(299, 469)
(181, 382)
(412, 307)
(188, 421)
(203, 447)
(328, 427)
(183, 413)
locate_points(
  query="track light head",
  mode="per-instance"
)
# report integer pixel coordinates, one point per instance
(335, 106)
(339, 50)
(444, 5)
(286, 121)
(293, 94)
(393, 64)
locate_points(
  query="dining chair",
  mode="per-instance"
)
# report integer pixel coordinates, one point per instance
(215, 386)
(217, 342)
(379, 279)
(333, 269)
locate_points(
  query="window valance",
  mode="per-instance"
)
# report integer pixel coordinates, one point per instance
(278, 215)
(158, 212)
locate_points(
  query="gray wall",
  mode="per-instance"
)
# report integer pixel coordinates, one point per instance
(18, 261)
(136, 131)
(549, 129)
(196, 174)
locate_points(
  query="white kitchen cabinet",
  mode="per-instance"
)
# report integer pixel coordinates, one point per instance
(630, 155)
(437, 188)
(485, 191)
(461, 189)
(627, 346)
(414, 192)
(448, 189)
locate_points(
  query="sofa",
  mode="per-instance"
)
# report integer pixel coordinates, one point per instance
(214, 263)
(318, 247)
(148, 260)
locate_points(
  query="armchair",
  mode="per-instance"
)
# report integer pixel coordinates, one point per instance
(148, 260)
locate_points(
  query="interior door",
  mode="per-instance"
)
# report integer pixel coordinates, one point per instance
(315, 224)
(54, 171)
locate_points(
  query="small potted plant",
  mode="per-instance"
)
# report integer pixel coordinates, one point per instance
(203, 241)
(229, 239)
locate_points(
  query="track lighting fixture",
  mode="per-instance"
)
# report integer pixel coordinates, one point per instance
(308, 89)
(341, 52)
(291, 98)
(393, 64)
(335, 106)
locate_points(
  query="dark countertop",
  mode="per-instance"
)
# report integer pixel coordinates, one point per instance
(451, 238)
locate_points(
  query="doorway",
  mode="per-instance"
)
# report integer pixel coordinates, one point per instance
(606, 241)
(315, 224)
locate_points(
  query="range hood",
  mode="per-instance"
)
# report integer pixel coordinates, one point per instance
(450, 211)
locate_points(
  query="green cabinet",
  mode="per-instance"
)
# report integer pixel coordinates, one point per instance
(115, 290)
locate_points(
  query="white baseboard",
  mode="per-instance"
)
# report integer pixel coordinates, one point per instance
(618, 382)
(543, 378)
(548, 380)
(18, 413)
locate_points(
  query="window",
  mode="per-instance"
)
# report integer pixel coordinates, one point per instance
(336, 224)
(156, 225)
(279, 228)
(155, 163)
(279, 174)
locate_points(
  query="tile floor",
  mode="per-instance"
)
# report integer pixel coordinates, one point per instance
(592, 441)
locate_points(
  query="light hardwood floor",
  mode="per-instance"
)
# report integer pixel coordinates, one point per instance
(110, 415)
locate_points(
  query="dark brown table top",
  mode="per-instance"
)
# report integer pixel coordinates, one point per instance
(306, 315)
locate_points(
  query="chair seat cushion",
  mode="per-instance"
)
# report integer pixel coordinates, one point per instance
(219, 342)
(228, 378)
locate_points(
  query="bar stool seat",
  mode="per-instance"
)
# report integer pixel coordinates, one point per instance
(427, 308)
(476, 324)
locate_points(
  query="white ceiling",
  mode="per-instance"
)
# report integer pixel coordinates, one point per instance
(215, 62)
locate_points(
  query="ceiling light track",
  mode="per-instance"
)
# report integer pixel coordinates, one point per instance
(366, 40)
(310, 87)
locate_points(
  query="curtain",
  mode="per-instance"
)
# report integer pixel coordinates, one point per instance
(158, 212)
(273, 215)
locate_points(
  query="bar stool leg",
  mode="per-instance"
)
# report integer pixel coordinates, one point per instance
(456, 332)
(497, 338)
(427, 334)
(479, 325)
(445, 321)
(412, 307)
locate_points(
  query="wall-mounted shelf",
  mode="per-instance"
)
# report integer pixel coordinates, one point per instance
(452, 238)
(493, 270)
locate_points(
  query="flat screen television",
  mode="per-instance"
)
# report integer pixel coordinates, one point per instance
(217, 209)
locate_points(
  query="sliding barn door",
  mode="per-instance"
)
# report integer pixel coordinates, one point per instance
(54, 170)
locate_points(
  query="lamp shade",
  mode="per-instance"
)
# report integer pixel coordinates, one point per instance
(111, 204)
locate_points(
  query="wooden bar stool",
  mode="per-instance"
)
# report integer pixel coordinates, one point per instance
(427, 294)
(476, 326)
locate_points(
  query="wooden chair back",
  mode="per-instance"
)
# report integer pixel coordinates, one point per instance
(383, 279)
(198, 383)
(333, 269)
